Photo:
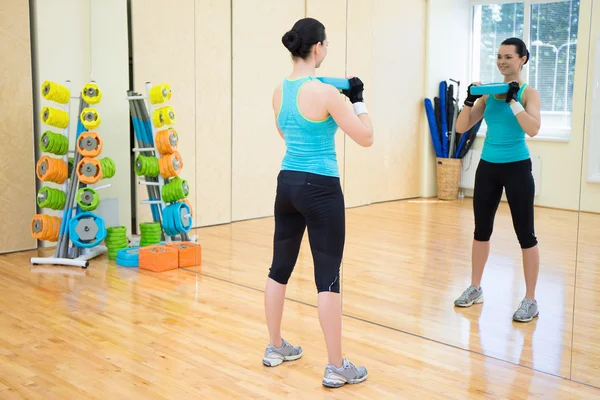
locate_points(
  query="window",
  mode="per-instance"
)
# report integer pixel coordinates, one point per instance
(549, 28)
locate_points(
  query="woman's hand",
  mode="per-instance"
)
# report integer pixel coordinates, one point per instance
(513, 91)
(355, 92)
(471, 113)
(529, 117)
(471, 98)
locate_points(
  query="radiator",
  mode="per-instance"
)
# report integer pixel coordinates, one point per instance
(471, 160)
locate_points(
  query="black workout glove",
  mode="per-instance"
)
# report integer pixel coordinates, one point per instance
(355, 93)
(513, 90)
(471, 98)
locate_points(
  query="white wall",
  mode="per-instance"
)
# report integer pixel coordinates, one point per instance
(61, 52)
(109, 67)
(448, 57)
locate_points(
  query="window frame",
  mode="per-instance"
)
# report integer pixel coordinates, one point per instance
(549, 134)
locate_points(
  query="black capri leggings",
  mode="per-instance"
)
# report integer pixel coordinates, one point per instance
(317, 202)
(516, 178)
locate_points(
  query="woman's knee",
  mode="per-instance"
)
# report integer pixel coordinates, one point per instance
(483, 228)
(281, 273)
(328, 283)
(527, 239)
(482, 235)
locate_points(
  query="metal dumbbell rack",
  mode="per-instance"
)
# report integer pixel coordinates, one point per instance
(141, 109)
(64, 254)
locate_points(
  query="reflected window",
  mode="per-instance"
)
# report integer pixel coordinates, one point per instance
(550, 29)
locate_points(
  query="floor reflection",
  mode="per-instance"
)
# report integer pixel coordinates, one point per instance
(114, 332)
(404, 264)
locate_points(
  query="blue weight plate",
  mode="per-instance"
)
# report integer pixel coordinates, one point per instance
(100, 234)
(169, 221)
(127, 263)
(178, 223)
(130, 254)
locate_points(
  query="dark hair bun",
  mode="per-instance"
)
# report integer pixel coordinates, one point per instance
(528, 55)
(305, 33)
(291, 40)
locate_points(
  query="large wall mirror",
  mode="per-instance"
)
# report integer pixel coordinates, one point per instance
(408, 254)
(408, 261)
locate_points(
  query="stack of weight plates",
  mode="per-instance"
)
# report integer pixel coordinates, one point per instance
(116, 239)
(128, 257)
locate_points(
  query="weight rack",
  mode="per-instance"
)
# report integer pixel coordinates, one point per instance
(86, 246)
(146, 133)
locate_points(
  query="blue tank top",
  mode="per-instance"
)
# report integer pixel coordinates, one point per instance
(505, 139)
(310, 145)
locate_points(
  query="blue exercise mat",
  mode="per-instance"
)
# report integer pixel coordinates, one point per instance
(444, 117)
(339, 83)
(433, 128)
(489, 88)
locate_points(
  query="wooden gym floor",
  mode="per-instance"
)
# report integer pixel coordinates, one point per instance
(118, 333)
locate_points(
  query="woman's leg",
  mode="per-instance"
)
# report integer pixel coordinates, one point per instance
(274, 300)
(326, 222)
(520, 193)
(330, 317)
(531, 266)
(289, 229)
(486, 198)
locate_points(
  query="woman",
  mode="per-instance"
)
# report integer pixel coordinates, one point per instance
(309, 195)
(505, 164)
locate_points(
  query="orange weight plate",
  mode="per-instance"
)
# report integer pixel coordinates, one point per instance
(89, 144)
(89, 170)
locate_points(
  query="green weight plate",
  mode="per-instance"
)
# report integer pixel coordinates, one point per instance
(117, 236)
(153, 238)
(144, 228)
(113, 245)
(114, 229)
(152, 232)
(149, 223)
(113, 239)
(151, 235)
